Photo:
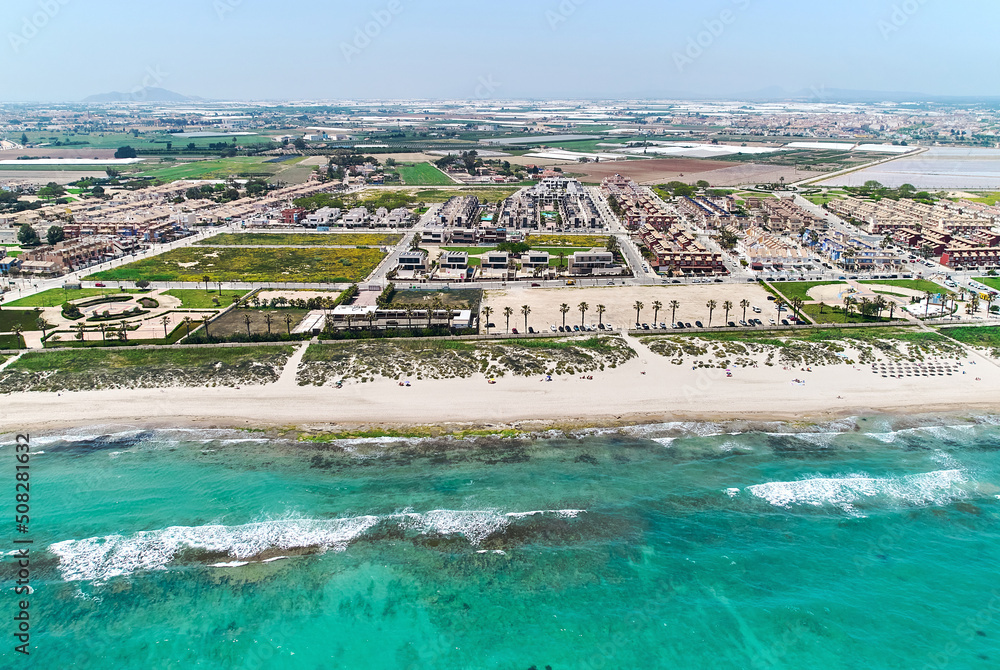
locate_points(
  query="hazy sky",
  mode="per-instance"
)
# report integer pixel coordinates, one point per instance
(297, 49)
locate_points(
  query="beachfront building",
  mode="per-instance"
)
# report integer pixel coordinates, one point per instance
(454, 260)
(535, 259)
(594, 262)
(678, 251)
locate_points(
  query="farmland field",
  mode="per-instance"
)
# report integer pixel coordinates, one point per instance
(423, 174)
(252, 265)
(217, 169)
(302, 240)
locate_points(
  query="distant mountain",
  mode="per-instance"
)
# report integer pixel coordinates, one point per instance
(149, 94)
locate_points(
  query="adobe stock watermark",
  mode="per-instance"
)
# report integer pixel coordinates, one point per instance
(223, 8)
(154, 78)
(560, 15)
(713, 30)
(487, 87)
(366, 34)
(33, 24)
(901, 15)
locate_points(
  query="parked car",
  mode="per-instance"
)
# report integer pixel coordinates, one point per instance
(531, 331)
(514, 331)
(688, 325)
(535, 284)
(645, 326)
(743, 323)
(553, 328)
(576, 329)
(663, 326)
(698, 324)
(100, 285)
(680, 325)
(784, 322)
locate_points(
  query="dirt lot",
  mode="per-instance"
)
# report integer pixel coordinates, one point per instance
(233, 322)
(654, 171)
(619, 301)
(749, 174)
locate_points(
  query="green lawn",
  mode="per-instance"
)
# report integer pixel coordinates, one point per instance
(992, 282)
(57, 296)
(423, 174)
(11, 342)
(987, 199)
(254, 265)
(800, 289)
(302, 240)
(200, 299)
(914, 284)
(835, 314)
(27, 319)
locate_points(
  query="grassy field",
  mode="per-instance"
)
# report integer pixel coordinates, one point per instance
(11, 342)
(484, 193)
(234, 322)
(253, 265)
(199, 299)
(423, 174)
(987, 337)
(835, 314)
(57, 296)
(216, 169)
(992, 282)
(27, 319)
(987, 199)
(302, 240)
(913, 284)
(586, 242)
(800, 289)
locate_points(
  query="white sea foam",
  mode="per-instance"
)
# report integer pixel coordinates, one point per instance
(101, 558)
(930, 488)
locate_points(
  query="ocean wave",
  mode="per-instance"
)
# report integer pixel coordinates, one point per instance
(101, 558)
(931, 488)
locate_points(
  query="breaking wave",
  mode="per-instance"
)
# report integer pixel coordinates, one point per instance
(102, 558)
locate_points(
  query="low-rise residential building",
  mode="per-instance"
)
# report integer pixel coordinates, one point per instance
(594, 262)
(413, 261)
(454, 260)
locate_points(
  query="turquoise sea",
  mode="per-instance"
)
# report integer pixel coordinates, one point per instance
(867, 543)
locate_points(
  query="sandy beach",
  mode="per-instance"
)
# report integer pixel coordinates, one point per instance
(646, 389)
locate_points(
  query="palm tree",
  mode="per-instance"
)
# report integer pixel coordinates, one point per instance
(564, 310)
(207, 280)
(187, 325)
(601, 309)
(165, 320)
(371, 320)
(779, 305)
(744, 304)
(438, 304)
(288, 324)
(848, 303)
(104, 332)
(728, 306)
(562, 259)
(207, 320)
(711, 304)
(583, 307)
(526, 311)
(638, 308)
(246, 319)
(123, 331)
(267, 319)
(892, 309)
(487, 312)
(674, 306)
(508, 312)
(410, 310)
(927, 307)
(657, 306)
(43, 326)
(17, 330)
(797, 306)
(80, 329)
